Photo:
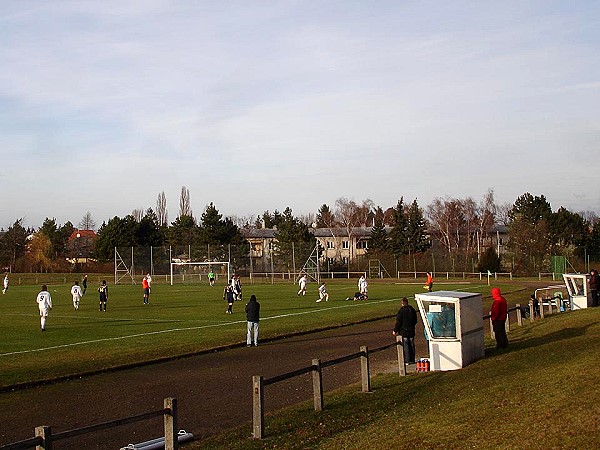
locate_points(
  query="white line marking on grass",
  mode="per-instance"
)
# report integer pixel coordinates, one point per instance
(200, 327)
(112, 319)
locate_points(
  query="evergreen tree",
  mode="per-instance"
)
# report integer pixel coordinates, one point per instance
(116, 233)
(378, 242)
(325, 217)
(398, 239)
(489, 261)
(149, 232)
(416, 229)
(293, 238)
(13, 244)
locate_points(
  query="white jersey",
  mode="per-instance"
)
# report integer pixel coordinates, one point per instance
(6, 282)
(322, 290)
(302, 282)
(76, 292)
(44, 301)
(363, 285)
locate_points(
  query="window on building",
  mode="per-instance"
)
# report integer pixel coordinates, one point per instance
(346, 244)
(362, 244)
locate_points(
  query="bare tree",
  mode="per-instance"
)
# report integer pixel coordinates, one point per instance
(137, 214)
(446, 217)
(503, 213)
(242, 221)
(486, 215)
(184, 203)
(87, 222)
(349, 215)
(161, 210)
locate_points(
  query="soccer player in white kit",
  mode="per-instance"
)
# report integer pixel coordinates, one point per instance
(77, 294)
(44, 301)
(5, 286)
(302, 283)
(363, 286)
(323, 295)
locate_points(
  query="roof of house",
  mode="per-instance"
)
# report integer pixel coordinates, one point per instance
(82, 233)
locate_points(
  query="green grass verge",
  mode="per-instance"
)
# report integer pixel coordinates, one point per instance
(181, 320)
(540, 393)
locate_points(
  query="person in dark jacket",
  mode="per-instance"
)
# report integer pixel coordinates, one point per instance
(406, 321)
(498, 316)
(594, 283)
(252, 316)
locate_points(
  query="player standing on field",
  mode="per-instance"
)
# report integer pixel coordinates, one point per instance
(44, 301)
(103, 291)
(76, 293)
(302, 283)
(211, 278)
(5, 283)
(84, 283)
(363, 286)
(146, 288)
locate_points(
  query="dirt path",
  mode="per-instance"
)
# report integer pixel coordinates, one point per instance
(213, 390)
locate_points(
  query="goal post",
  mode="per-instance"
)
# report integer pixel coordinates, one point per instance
(195, 270)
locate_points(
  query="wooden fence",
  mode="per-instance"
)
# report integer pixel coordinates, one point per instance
(44, 438)
(259, 383)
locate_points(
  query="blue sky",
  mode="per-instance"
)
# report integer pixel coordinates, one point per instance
(261, 105)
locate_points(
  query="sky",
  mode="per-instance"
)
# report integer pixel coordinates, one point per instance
(260, 105)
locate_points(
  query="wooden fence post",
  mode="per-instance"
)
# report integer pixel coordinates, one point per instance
(400, 348)
(492, 334)
(541, 303)
(531, 311)
(364, 369)
(519, 315)
(258, 403)
(170, 421)
(46, 434)
(317, 378)
(507, 323)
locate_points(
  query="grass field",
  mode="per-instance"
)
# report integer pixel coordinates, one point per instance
(180, 320)
(542, 392)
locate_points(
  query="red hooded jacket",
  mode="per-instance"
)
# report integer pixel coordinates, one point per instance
(499, 308)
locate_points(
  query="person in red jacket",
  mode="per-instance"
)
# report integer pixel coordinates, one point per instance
(498, 315)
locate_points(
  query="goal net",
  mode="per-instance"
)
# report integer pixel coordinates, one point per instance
(197, 272)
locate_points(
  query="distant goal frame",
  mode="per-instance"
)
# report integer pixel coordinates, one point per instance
(201, 263)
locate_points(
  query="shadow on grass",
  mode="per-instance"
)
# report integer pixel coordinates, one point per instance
(525, 343)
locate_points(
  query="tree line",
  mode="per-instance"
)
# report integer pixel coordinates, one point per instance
(449, 234)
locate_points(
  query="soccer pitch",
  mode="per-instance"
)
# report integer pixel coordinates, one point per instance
(180, 320)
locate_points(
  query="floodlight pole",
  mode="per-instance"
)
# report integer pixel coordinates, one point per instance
(318, 271)
(171, 263)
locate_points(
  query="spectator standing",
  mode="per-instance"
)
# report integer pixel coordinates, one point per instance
(498, 316)
(77, 294)
(44, 301)
(252, 317)
(594, 283)
(406, 321)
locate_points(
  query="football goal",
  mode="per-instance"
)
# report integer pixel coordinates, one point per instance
(197, 272)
